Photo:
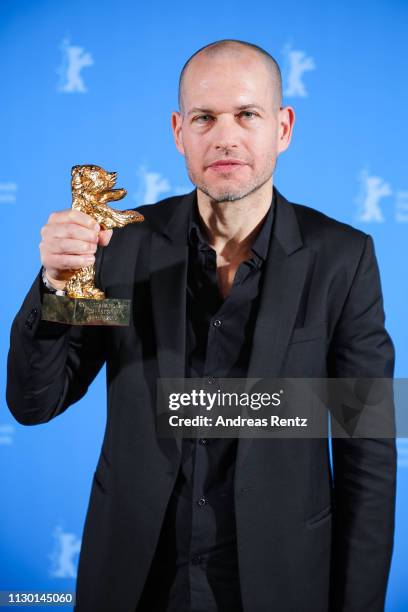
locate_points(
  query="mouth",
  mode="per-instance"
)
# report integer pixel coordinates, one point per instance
(226, 165)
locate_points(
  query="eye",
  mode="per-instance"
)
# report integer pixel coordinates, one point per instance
(248, 114)
(202, 119)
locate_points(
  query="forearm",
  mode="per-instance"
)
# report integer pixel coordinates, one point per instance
(364, 496)
(365, 467)
(49, 365)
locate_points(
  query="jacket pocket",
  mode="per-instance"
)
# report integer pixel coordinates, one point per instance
(311, 332)
(321, 517)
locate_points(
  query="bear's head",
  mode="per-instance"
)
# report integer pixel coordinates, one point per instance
(92, 178)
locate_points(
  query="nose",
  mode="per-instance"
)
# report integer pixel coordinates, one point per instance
(226, 133)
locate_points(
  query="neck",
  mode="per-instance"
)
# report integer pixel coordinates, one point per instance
(231, 227)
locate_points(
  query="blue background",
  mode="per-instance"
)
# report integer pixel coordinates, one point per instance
(351, 126)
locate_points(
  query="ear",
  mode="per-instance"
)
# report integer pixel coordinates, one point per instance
(286, 121)
(176, 124)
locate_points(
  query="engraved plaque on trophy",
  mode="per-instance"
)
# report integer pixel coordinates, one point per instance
(84, 303)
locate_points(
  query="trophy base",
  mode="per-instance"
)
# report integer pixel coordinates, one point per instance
(82, 311)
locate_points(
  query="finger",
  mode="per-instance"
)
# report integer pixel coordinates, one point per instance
(66, 262)
(69, 246)
(72, 215)
(104, 237)
(59, 231)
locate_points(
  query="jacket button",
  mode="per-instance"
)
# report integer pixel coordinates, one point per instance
(246, 489)
(217, 323)
(203, 441)
(202, 501)
(196, 560)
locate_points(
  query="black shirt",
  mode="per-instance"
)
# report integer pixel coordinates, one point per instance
(195, 567)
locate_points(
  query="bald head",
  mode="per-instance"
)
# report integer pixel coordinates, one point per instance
(231, 48)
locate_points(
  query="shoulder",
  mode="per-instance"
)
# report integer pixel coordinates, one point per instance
(156, 217)
(326, 234)
(131, 243)
(316, 225)
(157, 209)
(158, 214)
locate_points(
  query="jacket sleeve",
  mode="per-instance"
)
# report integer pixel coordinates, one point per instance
(50, 365)
(364, 469)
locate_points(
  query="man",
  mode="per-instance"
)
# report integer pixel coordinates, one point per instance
(231, 280)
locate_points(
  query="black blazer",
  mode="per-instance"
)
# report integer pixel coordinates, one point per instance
(306, 541)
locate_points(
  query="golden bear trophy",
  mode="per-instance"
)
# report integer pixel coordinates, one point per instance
(84, 303)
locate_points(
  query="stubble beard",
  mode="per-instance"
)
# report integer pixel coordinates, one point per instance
(231, 195)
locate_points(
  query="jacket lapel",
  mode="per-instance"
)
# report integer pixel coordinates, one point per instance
(285, 273)
(168, 268)
(168, 283)
(286, 270)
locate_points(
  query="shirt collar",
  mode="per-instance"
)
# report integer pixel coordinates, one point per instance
(260, 245)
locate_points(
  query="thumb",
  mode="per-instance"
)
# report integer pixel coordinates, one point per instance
(104, 237)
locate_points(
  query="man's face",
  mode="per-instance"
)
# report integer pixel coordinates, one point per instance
(230, 128)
